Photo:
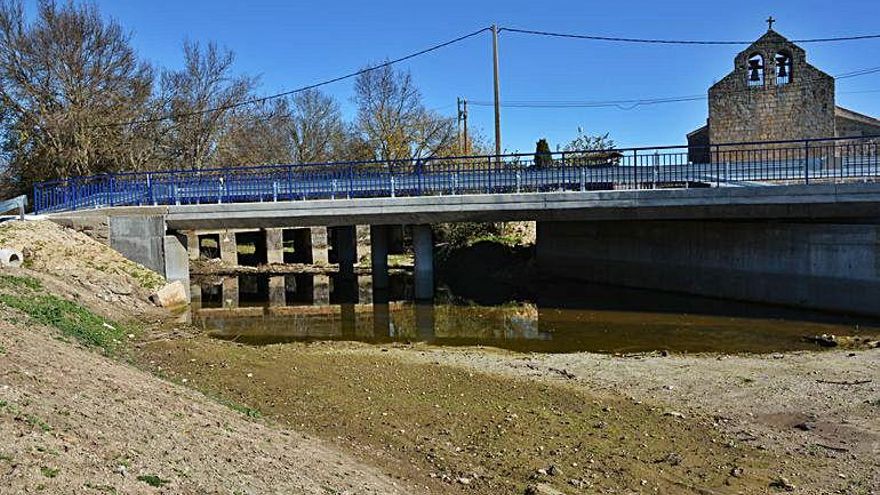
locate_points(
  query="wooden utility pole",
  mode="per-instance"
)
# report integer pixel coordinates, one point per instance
(497, 94)
(466, 152)
(462, 118)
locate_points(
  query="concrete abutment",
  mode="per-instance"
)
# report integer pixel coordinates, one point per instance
(824, 266)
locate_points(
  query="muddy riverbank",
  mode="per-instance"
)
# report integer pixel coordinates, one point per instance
(150, 403)
(478, 420)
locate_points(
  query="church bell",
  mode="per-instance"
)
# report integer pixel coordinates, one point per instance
(782, 63)
(754, 70)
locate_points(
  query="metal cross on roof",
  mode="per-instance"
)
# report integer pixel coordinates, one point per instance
(770, 21)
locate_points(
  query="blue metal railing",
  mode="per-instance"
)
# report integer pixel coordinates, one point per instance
(736, 164)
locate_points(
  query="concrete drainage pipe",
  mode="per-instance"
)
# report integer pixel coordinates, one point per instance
(11, 257)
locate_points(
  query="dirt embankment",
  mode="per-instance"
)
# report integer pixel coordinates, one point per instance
(483, 421)
(74, 418)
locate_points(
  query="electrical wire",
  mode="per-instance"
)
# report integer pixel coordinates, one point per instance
(624, 104)
(860, 72)
(616, 39)
(283, 94)
(631, 104)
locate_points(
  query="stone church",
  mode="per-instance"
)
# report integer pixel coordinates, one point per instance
(773, 94)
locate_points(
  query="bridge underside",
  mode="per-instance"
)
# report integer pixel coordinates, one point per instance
(814, 246)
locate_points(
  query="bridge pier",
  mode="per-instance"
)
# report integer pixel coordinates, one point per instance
(321, 290)
(230, 292)
(423, 245)
(379, 256)
(274, 246)
(192, 245)
(345, 247)
(277, 291)
(228, 248)
(320, 245)
(364, 243)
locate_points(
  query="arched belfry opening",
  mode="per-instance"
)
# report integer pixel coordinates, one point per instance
(755, 73)
(783, 67)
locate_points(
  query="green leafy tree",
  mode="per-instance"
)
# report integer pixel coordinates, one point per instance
(591, 150)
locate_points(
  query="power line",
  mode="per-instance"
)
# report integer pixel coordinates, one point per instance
(283, 94)
(620, 104)
(630, 104)
(860, 72)
(616, 39)
(350, 75)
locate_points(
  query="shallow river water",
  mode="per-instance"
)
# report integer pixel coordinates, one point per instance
(563, 317)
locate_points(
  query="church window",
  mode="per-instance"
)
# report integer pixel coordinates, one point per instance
(783, 68)
(755, 76)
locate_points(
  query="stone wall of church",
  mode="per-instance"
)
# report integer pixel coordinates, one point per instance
(800, 109)
(853, 128)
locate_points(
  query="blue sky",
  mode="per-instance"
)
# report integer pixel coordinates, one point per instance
(293, 43)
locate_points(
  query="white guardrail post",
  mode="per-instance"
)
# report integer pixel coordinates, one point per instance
(18, 202)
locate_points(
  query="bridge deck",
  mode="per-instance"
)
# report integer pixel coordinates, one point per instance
(743, 166)
(814, 202)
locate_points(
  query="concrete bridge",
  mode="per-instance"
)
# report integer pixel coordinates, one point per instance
(815, 245)
(793, 222)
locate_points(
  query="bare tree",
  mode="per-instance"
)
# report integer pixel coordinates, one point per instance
(307, 128)
(317, 131)
(64, 79)
(200, 98)
(257, 135)
(393, 121)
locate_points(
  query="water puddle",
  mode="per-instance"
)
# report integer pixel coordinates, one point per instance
(560, 317)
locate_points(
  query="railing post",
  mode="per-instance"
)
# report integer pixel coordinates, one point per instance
(418, 166)
(635, 171)
(150, 198)
(111, 185)
(655, 170)
(489, 174)
(350, 180)
(37, 199)
(717, 168)
(806, 162)
(391, 177)
(73, 191)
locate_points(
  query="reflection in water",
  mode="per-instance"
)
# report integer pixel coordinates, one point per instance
(566, 317)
